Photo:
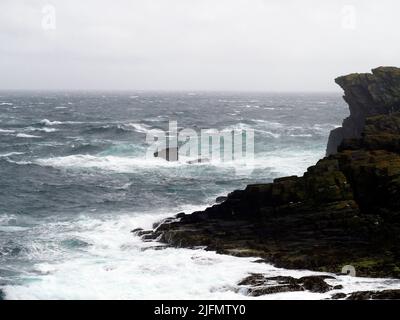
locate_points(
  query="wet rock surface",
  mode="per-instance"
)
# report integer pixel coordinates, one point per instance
(376, 295)
(259, 285)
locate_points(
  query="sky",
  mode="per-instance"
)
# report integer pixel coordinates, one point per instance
(217, 45)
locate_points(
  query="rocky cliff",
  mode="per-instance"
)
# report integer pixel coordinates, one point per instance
(367, 94)
(345, 210)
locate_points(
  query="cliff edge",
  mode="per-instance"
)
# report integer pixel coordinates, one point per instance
(367, 94)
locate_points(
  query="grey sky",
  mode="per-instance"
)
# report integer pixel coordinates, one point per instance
(194, 44)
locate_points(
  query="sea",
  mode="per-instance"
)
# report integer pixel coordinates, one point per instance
(75, 179)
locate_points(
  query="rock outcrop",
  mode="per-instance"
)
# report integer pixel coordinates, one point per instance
(367, 94)
(345, 210)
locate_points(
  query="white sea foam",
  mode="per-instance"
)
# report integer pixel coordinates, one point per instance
(290, 161)
(44, 129)
(6, 131)
(24, 135)
(10, 154)
(47, 122)
(142, 128)
(110, 163)
(6, 104)
(114, 264)
(301, 135)
(21, 163)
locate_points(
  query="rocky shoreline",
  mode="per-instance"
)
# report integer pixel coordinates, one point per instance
(345, 210)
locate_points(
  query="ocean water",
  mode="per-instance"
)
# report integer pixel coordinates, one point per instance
(74, 181)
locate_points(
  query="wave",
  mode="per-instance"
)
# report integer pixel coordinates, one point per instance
(108, 163)
(46, 122)
(139, 127)
(245, 127)
(6, 131)
(250, 106)
(6, 104)
(44, 129)
(20, 163)
(10, 154)
(24, 135)
(304, 135)
(113, 128)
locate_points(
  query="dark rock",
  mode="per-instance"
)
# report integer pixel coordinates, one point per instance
(315, 284)
(256, 292)
(338, 287)
(261, 285)
(180, 215)
(135, 231)
(254, 279)
(339, 295)
(220, 199)
(367, 94)
(377, 295)
(143, 232)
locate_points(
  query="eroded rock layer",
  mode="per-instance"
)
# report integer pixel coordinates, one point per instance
(367, 94)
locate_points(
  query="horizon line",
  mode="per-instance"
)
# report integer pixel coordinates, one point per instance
(172, 90)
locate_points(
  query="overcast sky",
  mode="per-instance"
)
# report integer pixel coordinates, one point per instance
(263, 45)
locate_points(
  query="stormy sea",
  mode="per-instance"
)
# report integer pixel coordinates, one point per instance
(75, 180)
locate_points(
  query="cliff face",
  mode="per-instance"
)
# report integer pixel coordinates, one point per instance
(345, 210)
(367, 94)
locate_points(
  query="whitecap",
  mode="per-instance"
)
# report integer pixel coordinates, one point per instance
(142, 128)
(12, 228)
(6, 131)
(47, 122)
(44, 129)
(301, 135)
(23, 135)
(21, 163)
(109, 163)
(11, 154)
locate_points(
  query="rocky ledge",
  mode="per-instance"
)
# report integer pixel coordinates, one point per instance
(367, 94)
(345, 210)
